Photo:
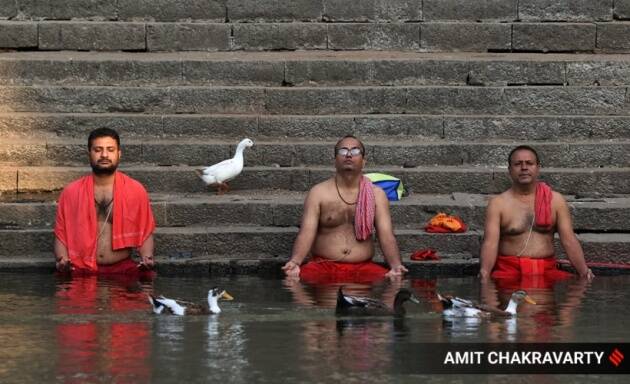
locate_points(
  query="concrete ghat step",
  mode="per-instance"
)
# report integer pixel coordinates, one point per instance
(284, 209)
(253, 264)
(349, 68)
(241, 242)
(534, 100)
(316, 10)
(298, 152)
(260, 36)
(421, 180)
(219, 265)
(234, 241)
(548, 128)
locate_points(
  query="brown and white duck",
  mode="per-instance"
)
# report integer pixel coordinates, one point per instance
(181, 308)
(458, 307)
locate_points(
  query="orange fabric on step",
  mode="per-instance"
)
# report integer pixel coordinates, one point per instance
(424, 254)
(443, 223)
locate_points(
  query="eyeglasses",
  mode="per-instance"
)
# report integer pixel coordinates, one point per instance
(355, 151)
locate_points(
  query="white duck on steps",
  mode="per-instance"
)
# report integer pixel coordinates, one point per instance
(218, 174)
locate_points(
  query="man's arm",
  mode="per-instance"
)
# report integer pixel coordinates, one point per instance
(385, 233)
(62, 261)
(306, 235)
(491, 237)
(146, 253)
(569, 241)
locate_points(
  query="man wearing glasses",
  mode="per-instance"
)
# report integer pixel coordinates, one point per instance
(340, 215)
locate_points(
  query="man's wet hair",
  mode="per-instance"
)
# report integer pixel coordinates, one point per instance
(520, 148)
(350, 137)
(103, 132)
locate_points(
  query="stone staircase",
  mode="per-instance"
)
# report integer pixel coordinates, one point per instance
(439, 91)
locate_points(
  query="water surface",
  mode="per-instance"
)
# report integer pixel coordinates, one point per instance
(86, 330)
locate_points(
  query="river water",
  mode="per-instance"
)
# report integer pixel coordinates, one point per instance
(97, 330)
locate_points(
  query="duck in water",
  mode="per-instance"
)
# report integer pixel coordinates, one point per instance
(458, 307)
(181, 308)
(365, 306)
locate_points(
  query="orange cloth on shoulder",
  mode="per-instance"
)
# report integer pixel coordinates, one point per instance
(76, 222)
(365, 210)
(443, 223)
(542, 205)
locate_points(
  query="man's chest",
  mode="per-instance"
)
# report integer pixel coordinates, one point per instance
(334, 214)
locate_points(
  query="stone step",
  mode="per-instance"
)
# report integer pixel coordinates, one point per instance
(284, 209)
(401, 152)
(313, 69)
(234, 241)
(319, 10)
(420, 180)
(535, 100)
(219, 265)
(240, 242)
(432, 36)
(563, 128)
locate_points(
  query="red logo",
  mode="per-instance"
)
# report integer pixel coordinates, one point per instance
(616, 357)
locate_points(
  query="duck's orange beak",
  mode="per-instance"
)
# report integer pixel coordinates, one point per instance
(530, 300)
(226, 296)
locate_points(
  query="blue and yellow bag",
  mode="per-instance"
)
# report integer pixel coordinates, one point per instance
(392, 186)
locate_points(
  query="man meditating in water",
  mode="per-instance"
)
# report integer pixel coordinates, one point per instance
(337, 224)
(520, 226)
(102, 216)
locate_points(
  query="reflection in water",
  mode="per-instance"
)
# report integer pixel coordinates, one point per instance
(325, 295)
(226, 347)
(98, 330)
(346, 345)
(550, 319)
(90, 349)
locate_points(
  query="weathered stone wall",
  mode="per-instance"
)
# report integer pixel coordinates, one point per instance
(252, 25)
(439, 90)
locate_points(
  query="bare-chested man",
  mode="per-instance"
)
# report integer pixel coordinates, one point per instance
(328, 230)
(513, 242)
(89, 234)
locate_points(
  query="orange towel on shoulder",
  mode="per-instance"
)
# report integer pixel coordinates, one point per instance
(364, 211)
(542, 205)
(443, 223)
(76, 223)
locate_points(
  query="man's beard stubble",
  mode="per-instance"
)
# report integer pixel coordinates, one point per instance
(97, 169)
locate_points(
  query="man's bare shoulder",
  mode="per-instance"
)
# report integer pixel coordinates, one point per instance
(322, 189)
(323, 186)
(500, 199)
(557, 199)
(379, 194)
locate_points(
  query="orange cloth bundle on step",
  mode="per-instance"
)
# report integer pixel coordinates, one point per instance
(443, 223)
(424, 254)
